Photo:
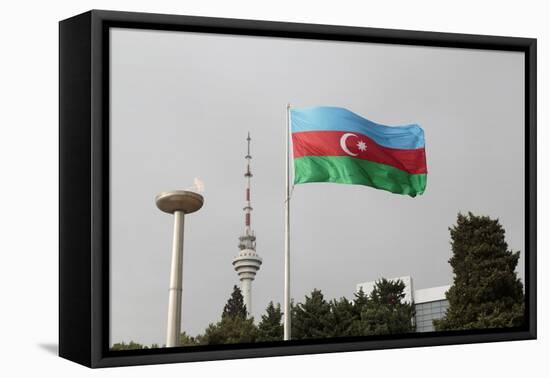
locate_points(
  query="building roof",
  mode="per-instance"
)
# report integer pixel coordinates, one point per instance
(431, 294)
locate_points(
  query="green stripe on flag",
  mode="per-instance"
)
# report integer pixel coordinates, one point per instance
(348, 170)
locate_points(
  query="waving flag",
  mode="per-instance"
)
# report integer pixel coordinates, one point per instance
(336, 145)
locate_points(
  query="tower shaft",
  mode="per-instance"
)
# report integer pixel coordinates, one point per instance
(246, 290)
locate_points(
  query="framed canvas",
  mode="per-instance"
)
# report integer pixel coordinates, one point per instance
(236, 188)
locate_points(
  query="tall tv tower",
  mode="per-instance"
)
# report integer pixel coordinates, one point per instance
(247, 263)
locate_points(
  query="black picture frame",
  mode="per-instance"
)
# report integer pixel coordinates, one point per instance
(84, 186)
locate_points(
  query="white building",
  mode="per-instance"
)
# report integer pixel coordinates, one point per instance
(429, 303)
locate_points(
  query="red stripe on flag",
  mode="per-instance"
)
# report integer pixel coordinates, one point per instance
(359, 146)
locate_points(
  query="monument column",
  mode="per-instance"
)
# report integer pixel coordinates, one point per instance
(179, 203)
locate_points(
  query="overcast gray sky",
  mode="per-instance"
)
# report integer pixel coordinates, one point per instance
(181, 105)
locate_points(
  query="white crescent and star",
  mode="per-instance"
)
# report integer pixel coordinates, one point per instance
(361, 145)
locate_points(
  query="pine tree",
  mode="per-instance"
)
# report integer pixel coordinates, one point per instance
(311, 319)
(235, 305)
(186, 340)
(234, 326)
(360, 301)
(486, 292)
(385, 311)
(359, 305)
(127, 346)
(230, 330)
(270, 327)
(341, 318)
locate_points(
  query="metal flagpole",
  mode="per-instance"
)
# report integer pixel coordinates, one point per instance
(286, 308)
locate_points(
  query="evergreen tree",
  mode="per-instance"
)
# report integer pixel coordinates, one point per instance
(270, 327)
(359, 305)
(234, 326)
(230, 330)
(341, 318)
(186, 340)
(131, 345)
(360, 301)
(311, 319)
(235, 305)
(385, 311)
(486, 292)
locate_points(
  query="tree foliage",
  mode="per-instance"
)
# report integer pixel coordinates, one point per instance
(486, 292)
(270, 327)
(382, 312)
(360, 301)
(128, 346)
(385, 311)
(340, 318)
(311, 319)
(235, 305)
(234, 326)
(230, 330)
(187, 340)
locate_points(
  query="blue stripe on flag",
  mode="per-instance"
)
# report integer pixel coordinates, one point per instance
(321, 118)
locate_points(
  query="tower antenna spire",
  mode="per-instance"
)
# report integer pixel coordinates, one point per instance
(248, 207)
(248, 139)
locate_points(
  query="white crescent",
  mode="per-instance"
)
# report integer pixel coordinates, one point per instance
(343, 143)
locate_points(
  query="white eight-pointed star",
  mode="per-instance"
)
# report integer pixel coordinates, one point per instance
(362, 146)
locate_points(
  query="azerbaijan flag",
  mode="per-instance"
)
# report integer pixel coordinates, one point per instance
(333, 144)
